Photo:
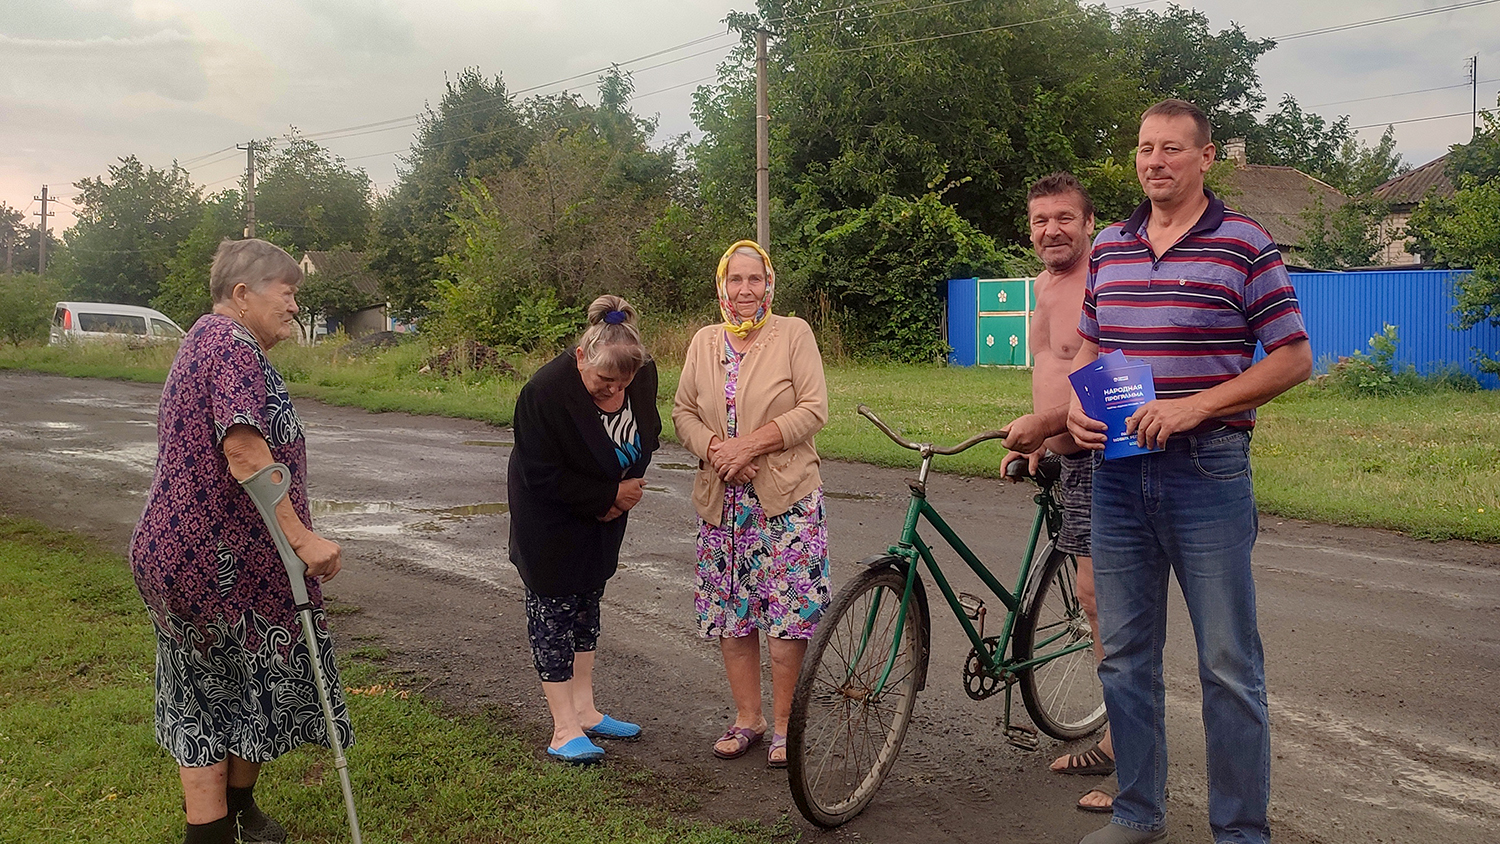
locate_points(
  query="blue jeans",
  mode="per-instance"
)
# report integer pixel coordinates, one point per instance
(1190, 510)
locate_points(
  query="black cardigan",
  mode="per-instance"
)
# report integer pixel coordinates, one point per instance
(564, 474)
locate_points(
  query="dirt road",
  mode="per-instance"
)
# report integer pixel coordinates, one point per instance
(1383, 653)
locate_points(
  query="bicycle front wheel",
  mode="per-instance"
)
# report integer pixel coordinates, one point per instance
(847, 725)
(1062, 695)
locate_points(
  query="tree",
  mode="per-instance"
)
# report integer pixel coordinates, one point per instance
(1464, 230)
(475, 131)
(314, 199)
(26, 304)
(130, 224)
(12, 224)
(329, 294)
(1347, 236)
(1175, 54)
(1328, 151)
(879, 268)
(183, 295)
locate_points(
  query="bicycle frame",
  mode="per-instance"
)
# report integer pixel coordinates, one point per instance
(912, 548)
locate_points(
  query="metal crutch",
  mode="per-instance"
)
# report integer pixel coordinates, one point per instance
(266, 488)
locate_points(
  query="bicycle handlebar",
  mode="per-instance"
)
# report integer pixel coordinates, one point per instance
(929, 448)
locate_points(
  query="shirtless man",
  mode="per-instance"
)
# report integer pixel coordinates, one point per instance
(1062, 231)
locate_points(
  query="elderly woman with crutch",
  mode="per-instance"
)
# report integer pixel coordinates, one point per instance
(586, 425)
(751, 397)
(233, 689)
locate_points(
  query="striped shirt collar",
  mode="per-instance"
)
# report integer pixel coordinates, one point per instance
(1211, 219)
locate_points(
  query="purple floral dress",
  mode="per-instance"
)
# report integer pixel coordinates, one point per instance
(759, 572)
(233, 674)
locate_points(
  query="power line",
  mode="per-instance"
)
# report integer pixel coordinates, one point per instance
(1415, 120)
(407, 121)
(1402, 94)
(635, 97)
(184, 164)
(1388, 19)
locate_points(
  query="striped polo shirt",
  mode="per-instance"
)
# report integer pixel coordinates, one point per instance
(1196, 312)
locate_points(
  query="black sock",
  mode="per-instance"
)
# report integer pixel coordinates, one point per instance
(241, 799)
(254, 825)
(220, 831)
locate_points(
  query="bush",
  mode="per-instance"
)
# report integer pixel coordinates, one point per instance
(882, 269)
(1378, 374)
(26, 305)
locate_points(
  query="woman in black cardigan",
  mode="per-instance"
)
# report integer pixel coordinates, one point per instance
(586, 425)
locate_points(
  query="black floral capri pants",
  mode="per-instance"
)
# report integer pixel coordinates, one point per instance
(560, 627)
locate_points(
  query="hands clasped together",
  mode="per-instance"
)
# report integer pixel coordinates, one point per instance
(733, 460)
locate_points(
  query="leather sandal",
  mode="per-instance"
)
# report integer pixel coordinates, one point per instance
(778, 742)
(744, 738)
(1093, 762)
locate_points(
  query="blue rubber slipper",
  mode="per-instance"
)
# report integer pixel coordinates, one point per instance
(609, 728)
(579, 751)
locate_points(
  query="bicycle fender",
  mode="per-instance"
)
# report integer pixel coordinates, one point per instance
(919, 594)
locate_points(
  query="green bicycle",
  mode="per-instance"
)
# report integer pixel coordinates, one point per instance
(868, 660)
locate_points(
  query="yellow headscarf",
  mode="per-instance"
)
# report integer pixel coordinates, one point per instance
(732, 323)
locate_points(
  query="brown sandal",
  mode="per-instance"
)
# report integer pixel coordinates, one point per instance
(1093, 762)
(744, 738)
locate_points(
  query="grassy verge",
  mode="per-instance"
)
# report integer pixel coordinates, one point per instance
(78, 762)
(1427, 465)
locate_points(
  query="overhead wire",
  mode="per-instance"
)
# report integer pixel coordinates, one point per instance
(1344, 27)
(1405, 93)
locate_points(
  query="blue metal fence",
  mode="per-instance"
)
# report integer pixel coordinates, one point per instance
(1343, 310)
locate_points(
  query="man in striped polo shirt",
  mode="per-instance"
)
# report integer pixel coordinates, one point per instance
(1188, 286)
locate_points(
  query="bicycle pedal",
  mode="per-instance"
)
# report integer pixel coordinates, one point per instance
(973, 605)
(1025, 738)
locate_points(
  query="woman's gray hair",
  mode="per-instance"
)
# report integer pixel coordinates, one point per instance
(254, 263)
(612, 342)
(750, 252)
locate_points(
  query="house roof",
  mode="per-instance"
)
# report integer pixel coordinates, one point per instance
(1275, 196)
(345, 263)
(1413, 186)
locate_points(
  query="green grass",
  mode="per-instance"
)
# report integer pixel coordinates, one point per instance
(1427, 465)
(78, 762)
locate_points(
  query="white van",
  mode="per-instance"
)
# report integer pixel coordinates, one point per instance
(74, 322)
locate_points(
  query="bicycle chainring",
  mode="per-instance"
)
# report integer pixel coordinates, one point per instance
(979, 683)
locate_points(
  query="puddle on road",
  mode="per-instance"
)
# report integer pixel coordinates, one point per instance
(351, 508)
(60, 426)
(489, 443)
(657, 489)
(326, 508)
(136, 456)
(853, 496)
(679, 467)
(467, 510)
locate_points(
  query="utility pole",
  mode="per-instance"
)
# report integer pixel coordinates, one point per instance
(762, 146)
(249, 149)
(41, 248)
(1474, 98)
(10, 247)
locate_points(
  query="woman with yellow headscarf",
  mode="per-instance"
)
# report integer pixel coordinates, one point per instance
(749, 401)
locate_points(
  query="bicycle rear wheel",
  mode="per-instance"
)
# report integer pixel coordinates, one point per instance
(846, 728)
(1062, 695)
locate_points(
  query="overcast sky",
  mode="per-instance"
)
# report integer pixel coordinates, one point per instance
(85, 81)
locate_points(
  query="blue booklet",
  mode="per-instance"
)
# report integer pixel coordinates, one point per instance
(1110, 389)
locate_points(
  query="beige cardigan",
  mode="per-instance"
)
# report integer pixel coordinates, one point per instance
(780, 381)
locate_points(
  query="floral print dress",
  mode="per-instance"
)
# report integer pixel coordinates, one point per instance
(759, 572)
(233, 673)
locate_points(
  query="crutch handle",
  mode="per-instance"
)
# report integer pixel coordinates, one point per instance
(266, 488)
